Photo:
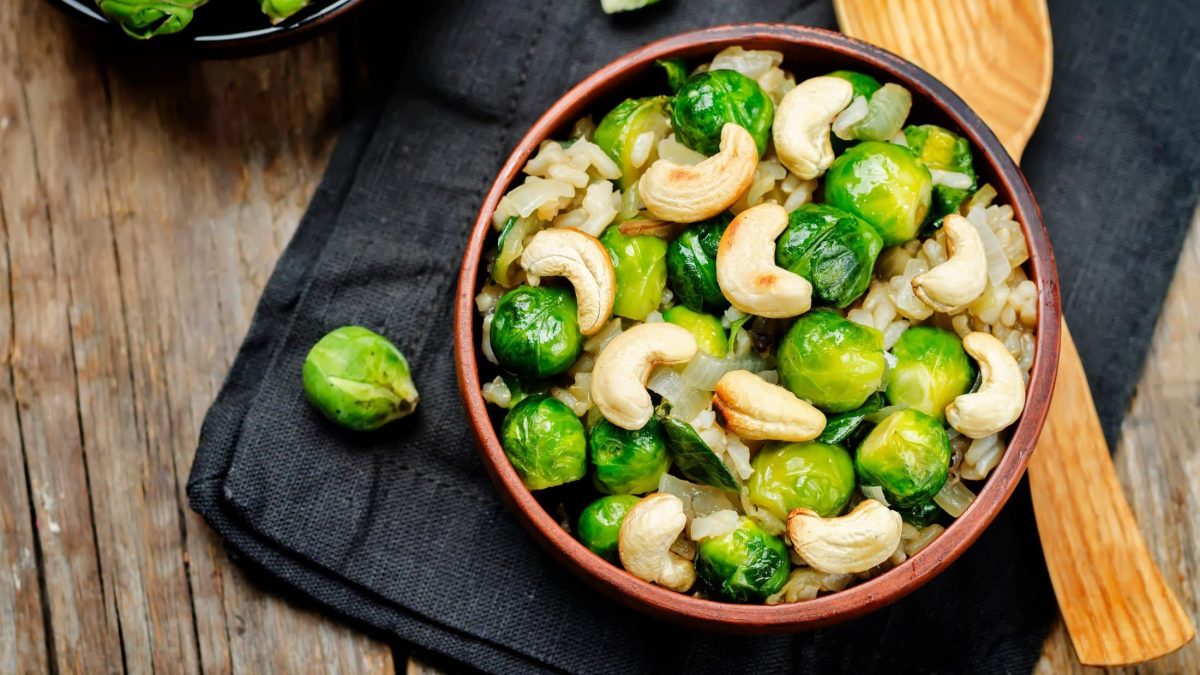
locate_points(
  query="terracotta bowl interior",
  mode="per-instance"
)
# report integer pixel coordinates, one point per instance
(808, 52)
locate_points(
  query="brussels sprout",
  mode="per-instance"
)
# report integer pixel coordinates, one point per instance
(144, 19)
(676, 70)
(833, 249)
(692, 266)
(845, 427)
(640, 262)
(279, 10)
(600, 524)
(710, 100)
(510, 245)
(545, 442)
(931, 370)
(864, 85)
(535, 332)
(744, 565)
(358, 379)
(884, 184)
(627, 462)
(831, 361)
(813, 475)
(945, 151)
(695, 460)
(922, 514)
(908, 455)
(623, 125)
(706, 328)
(520, 388)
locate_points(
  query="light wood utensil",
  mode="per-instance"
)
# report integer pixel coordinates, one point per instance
(997, 55)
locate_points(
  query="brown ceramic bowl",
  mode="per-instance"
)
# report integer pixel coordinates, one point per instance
(807, 52)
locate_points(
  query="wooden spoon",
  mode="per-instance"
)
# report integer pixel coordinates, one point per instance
(997, 55)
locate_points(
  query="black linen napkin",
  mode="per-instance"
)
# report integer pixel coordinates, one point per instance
(401, 528)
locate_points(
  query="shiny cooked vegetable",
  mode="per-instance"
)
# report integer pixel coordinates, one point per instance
(908, 455)
(640, 263)
(692, 456)
(629, 133)
(545, 442)
(744, 565)
(627, 462)
(534, 332)
(279, 10)
(834, 250)
(931, 370)
(922, 514)
(144, 19)
(706, 328)
(710, 100)
(945, 151)
(830, 361)
(358, 379)
(676, 71)
(884, 184)
(600, 524)
(863, 85)
(815, 476)
(848, 426)
(692, 265)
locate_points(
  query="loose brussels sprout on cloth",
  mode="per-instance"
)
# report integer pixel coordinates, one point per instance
(621, 134)
(535, 332)
(834, 250)
(815, 476)
(692, 265)
(949, 154)
(358, 379)
(627, 462)
(545, 442)
(600, 524)
(706, 328)
(884, 184)
(830, 361)
(931, 370)
(744, 565)
(641, 268)
(144, 19)
(709, 100)
(908, 455)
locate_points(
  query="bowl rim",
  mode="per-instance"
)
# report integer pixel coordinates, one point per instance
(861, 598)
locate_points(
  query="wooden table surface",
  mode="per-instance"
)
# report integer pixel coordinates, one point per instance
(142, 207)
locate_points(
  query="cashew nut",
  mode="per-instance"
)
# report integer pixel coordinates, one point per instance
(802, 123)
(756, 409)
(855, 542)
(619, 376)
(1000, 398)
(583, 260)
(688, 194)
(960, 280)
(645, 538)
(746, 270)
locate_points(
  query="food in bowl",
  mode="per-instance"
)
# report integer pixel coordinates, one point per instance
(768, 335)
(144, 19)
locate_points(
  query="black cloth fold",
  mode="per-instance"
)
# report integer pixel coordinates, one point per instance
(402, 530)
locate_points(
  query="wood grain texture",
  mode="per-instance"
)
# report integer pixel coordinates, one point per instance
(1115, 603)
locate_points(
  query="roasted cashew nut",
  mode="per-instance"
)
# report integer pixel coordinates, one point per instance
(583, 260)
(1000, 398)
(853, 543)
(689, 194)
(619, 376)
(756, 409)
(645, 538)
(802, 124)
(960, 280)
(746, 270)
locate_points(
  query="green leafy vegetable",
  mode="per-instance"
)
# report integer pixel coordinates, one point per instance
(627, 462)
(710, 100)
(279, 10)
(640, 263)
(144, 19)
(908, 455)
(834, 250)
(535, 332)
(744, 565)
(358, 379)
(884, 184)
(706, 328)
(813, 475)
(695, 460)
(676, 70)
(692, 265)
(618, 133)
(545, 442)
(600, 524)
(832, 362)
(843, 427)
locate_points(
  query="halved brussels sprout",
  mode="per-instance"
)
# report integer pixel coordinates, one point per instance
(864, 85)
(545, 442)
(812, 475)
(710, 100)
(743, 565)
(692, 266)
(535, 332)
(908, 455)
(834, 250)
(922, 514)
(640, 262)
(943, 150)
(627, 462)
(617, 134)
(884, 184)
(706, 328)
(358, 379)
(845, 427)
(830, 361)
(694, 459)
(931, 370)
(600, 524)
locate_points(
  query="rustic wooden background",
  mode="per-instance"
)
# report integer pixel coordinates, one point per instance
(143, 206)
